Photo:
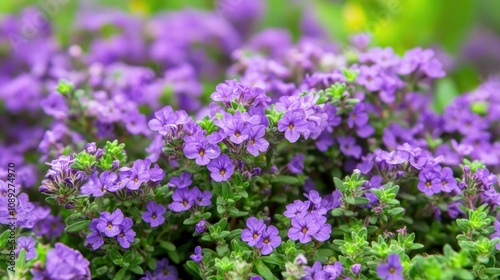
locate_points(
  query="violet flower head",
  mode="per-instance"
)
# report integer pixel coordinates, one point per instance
(256, 142)
(200, 227)
(137, 174)
(293, 124)
(95, 237)
(183, 200)
(183, 181)
(27, 243)
(98, 186)
(201, 150)
(198, 255)
(154, 214)
(448, 181)
(304, 228)
(270, 240)
(314, 272)
(109, 223)
(64, 262)
(496, 234)
(429, 182)
(221, 168)
(296, 165)
(156, 173)
(126, 234)
(166, 121)
(201, 198)
(392, 270)
(348, 146)
(297, 208)
(333, 271)
(254, 231)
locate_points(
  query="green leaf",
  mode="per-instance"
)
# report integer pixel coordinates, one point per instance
(445, 92)
(192, 268)
(167, 245)
(115, 256)
(284, 179)
(120, 274)
(339, 184)
(3, 238)
(77, 226)
(263, 270)
(137, 270)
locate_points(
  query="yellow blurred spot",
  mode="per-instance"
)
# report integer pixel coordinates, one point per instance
(354, 17)
(139, 7)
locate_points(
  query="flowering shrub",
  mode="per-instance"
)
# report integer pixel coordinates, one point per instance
(307, 162)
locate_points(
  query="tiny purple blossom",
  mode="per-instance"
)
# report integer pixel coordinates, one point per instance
(256, 142)
(392, 270)
(315, 272)
(109, 223)
(156, 173)
(137, 174)
(27, 243)
(429, 182)
(333, 271)
(126, 234)
(348, 146)
(95, 237)
(221, 168)
(496, 234)
(269, 241)
(254, 231)
(303, 228)
(98, 186)
(202, 151)
(201, 198)
(183, 181)
(448, 182)
(183, 200)
(200, 227)
(154, 214)
(298, 207)
(293, 124)
(198, 255)
(296, 164)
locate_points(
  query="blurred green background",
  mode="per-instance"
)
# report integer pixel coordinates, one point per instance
(467, 31)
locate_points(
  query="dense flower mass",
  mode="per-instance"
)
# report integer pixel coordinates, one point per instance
(192, 145)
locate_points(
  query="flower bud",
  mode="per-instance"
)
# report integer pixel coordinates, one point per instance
(300, 260)
(91, 148)
(356, 268)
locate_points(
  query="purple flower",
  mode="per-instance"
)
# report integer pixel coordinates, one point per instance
(201, 198)
(333, 271)
(296, 164)
(270, 239)
(392, 270)
(254, 231)
(95, 237)
(27, 243)
(358, 116)
(369, 77)
(154, 214)
(202, 150)
(221, 168)
(99, 186)
(166, 120)
(138, 174)
(237, 126)
(315, 272)
(348, 146)
(156, 173)
(429, 181)
(183, 181)
(304, 228)
(65, 263)
(293, 124)
(297, 208)
(109, 224)
(496, 234)
(448, 182)
(183, 200)
(256, 141)
(356, 268)
(200, 227)
(197, 256)
(126, 234)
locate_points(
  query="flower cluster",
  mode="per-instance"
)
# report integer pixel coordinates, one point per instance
(190, 145)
